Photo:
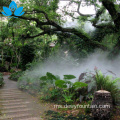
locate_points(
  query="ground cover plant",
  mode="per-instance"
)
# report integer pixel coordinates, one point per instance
(52, 115)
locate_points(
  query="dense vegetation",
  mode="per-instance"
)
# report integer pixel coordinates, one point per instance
(39, 29)
(1, 80)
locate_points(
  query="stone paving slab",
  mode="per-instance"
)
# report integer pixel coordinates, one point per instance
(18, 105)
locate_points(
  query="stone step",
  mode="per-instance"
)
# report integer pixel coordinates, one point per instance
(9, 89)
(17, 113)
(15, 110)
(26, 118)
(32, 118)
(13, 107)
(10, 101)
(18, 105)
(10, 94)
(15, 116)
(14, 103)
(12, 98)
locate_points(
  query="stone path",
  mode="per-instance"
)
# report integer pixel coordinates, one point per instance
(18, 105)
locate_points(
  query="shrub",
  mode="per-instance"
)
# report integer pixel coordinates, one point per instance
(12, 70)
(1, 80)
(97, 81)
(65, 88)
(107, 83)
(88, 109)
(2, 68)
(27, 55)
(15, 76)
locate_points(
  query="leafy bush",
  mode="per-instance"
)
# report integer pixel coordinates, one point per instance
(15, 76)
(2, 68)
(1, 80)
(109, 84)
(87, 109)
(27, 55)
(97, 81)
(12, 70)
(65, 88)
(29, 81)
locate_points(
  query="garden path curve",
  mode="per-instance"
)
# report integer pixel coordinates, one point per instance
(19, 105)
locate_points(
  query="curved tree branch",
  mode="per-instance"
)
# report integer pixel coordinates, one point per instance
(110, 6)
(78, 11)
(53, 27)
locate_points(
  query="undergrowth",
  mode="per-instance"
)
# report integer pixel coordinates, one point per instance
(1, 80)
(52, 115)
(15, 76)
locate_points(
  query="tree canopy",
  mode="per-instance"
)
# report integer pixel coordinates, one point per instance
(41, 17)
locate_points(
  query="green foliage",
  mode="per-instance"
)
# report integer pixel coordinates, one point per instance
(12, 70)
(87, 109)
(2, 68)
(27, 55)
(63, 87)
(49, 78)
(67, 95)
(15, 76)
(1, 80)
(52, 115)
(107, 83)
(77, 85)
(60, 84)
(69, 77)
(4, 3)
(76, 46)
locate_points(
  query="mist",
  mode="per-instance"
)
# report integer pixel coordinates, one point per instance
(66, 64)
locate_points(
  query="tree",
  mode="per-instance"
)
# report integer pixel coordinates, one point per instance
(44, 14)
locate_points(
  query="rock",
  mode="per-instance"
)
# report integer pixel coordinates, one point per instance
(83, 92)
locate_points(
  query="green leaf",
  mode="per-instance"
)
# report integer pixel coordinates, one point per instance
(69, 77)
(50, 76)
(79, 85)
(43, 78)
(115, 80)
(60, 83)
(69, 82)
(43, 84)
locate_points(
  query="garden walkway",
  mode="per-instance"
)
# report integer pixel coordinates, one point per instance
(19, 105)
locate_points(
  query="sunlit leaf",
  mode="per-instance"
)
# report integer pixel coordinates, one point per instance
(79, 85)
(69, 77)
(60, 84)
(50, 76)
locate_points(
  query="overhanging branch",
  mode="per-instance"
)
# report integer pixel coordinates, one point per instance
(110, 6)
(78, 11)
